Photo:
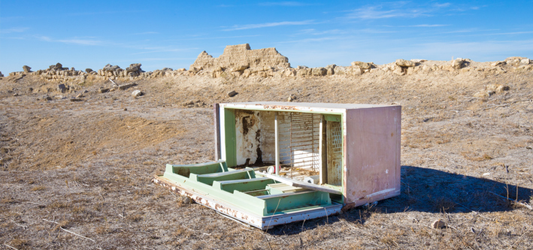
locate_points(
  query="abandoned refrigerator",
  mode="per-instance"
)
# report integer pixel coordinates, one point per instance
(277, 162)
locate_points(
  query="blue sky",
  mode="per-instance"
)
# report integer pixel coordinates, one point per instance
(158, 34)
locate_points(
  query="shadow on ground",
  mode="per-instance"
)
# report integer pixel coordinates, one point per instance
(433, 191)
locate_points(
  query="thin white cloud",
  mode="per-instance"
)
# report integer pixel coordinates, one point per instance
(377, 12)
(442, 5)
(162, 59)
(266, 25)
(319, 39)
(81, 41)
(147, 33)
(103, 12)
(288, 3)
(148, 50)
(77, 41)
(428, 25)
(402, 9)
(44, 38)
(14, 30)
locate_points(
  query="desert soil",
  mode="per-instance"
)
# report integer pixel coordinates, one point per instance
(76, 174)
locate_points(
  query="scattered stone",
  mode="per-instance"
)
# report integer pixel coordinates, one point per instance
(458, 63)
(186, 200)
(499, 63)
(497, 88)
(76, 99)
(16, 94)
(136, 93)
(135, 69)
(418, 60)
(241, 67)
(103, 90)
(438, 224)
(363, 65)
(291, 98)
(127, 86)
(399, 71)
(47, 98)
(26, 68)
(125, 109)
(80, 95)
(405, 63)
(61, 88)
(59, 97)
(1, 75)
(232, 93)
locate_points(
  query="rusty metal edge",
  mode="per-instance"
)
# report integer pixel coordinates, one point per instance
(263, 222)
(210, 203)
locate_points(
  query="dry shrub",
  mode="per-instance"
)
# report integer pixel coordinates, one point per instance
(61, 224)
(135, 218)
(58, 205)
(38, 188)
(19, 243)
(389, 240)
(475, 157)
(443, 204)
(160, 194)
(7, 200)
(103, 229)
(182, 231)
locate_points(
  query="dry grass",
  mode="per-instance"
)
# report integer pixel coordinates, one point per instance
(95, 161)
(38, 188)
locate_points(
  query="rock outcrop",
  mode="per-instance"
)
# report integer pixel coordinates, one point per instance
(240, 60)
(26, 68)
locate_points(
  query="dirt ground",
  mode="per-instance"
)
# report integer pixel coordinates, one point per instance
(75, 174)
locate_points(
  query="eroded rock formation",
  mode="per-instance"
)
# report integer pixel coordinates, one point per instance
(243, 62)
(240, 60)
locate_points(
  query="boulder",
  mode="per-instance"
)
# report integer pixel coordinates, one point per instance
(330, 69)
(1, 75)
(26, 68)
(291, 98)
(61, 88)
(514, 60)
(498, 64)
(405, 63)
(232, 93)
(135, 69)
(89, 70)
(418, 60)
(438, 224)
(525, 61)
(497, 88)
(136, 93)
(363, 65)
(458, 63)
(111, 68)
(319, 71)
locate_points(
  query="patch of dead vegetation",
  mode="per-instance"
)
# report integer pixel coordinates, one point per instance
(457, 149)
